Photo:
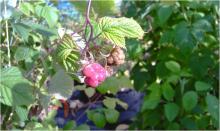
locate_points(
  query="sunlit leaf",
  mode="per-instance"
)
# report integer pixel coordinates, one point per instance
(116, 29)
(68, 53)
(26, 8)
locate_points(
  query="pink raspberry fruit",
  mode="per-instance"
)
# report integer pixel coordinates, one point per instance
(91, 82)
(95, 74)
(88, 71)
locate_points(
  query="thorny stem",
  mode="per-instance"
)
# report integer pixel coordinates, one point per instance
(84, 27)
(90, 25)
(7, 37)
(150, 26)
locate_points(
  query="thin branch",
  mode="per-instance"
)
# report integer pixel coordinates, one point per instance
(96, 37)
(149, 18)
(7, 37)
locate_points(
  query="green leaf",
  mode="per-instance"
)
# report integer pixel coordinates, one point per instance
(164, 13)
(203, 122)
(110, 84)
(213, 106)
(68, 53)
(134, 49)
(15, 89)
(99, 119)
(174, 126)
(123, 104)
(38, 10)
(26, 8)
(152, 117)
(33, 125)
(90, 92)
(50, 116)
(80, 87)
(22, 29)
(61, 83)
(201, 69)
(183, 38)
(203, 25)
(166, 37)
(152, 100)
(116, 29)
(69, 125)
(109, 103)
(23, 53)
(44, 31)
(50, 14)
(114, 84)
(96, 30)
(82, 127)
(22, 113)
(198, 34)
(190, 100)
(168, 91)
(188, 123)
(202, 86)
(90, 114)
(173, 66)
(44, 99)
(111, 115)
(171, 111)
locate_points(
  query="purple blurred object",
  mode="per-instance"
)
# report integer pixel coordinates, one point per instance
(133, 98)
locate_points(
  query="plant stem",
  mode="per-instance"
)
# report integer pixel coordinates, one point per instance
(88, 19)
(7, 38)
(88, 22)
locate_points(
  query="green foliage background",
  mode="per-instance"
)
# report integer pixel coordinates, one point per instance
(176, 64)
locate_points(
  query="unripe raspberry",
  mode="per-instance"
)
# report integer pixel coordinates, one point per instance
(91, 82)
(109, 71)
(110, 60)
(116, 57)
(115, 53)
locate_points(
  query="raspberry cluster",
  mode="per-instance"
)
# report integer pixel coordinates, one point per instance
(94, 73)
(116, 57)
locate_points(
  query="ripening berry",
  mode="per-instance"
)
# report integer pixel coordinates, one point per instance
(116, 57)
(110, 60)
(109, 71)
